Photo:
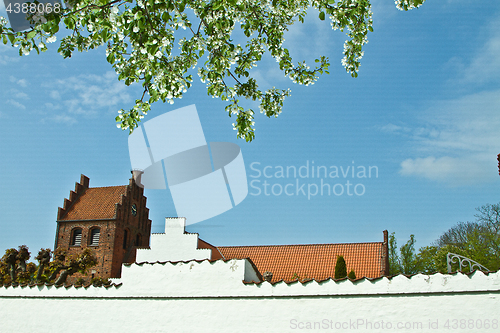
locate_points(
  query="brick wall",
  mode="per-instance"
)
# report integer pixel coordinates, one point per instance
(112, 249)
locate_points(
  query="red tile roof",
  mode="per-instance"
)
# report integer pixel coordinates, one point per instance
(96, 203)
(314, 261)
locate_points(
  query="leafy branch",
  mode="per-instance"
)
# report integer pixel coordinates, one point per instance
(140, 38)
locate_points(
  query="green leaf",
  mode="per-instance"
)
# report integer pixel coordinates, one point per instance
(104, 35)
(370, 28)
(31, 34)
(322, 16)
(11, 38)
(69, 23)
(36, 47)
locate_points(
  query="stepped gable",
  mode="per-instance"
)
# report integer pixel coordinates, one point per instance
(97, 203)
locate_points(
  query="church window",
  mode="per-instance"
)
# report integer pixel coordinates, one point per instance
(94, 236)
(76, 238)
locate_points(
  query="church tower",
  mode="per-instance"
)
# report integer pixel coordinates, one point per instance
(112, 221)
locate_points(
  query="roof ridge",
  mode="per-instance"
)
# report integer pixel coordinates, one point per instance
(309, 244)
(107, 186)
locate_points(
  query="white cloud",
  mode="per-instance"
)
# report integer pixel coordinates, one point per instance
(51, 106)
(454, 171)
(5, 59)
(22, 82)
(457, 141)
(21, 95)
(391, 128)
(55, 94)
(87, 94)
(468, 124)
(484, 66)
(74, 97)
(16, 104)
(64, 119)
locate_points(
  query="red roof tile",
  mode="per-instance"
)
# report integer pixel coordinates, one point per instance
(96, 203)
(314, 261)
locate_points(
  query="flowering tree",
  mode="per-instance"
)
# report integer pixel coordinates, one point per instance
(140, 38)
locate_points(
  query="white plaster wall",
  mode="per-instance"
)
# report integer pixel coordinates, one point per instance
(358, 314)
(173, 245)
(199, 295)
(211, 297)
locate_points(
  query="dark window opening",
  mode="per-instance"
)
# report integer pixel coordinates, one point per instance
(125, 235)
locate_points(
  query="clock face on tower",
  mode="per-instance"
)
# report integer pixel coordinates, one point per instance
(134, 210)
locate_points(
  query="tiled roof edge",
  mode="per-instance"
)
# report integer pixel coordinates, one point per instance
(306, 281)
(380, 243)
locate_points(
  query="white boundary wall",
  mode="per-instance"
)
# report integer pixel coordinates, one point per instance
(211, 297)
(199, 295)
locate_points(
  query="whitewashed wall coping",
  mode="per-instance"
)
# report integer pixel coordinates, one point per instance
(206, 279)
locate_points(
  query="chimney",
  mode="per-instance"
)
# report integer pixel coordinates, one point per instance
(136, 176)
(385, 254)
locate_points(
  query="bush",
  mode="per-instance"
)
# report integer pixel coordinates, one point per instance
(99, 282)
(340, 268)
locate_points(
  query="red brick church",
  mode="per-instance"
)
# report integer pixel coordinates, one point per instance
(112, 221)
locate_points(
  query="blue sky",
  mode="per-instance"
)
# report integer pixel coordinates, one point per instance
(425, 111)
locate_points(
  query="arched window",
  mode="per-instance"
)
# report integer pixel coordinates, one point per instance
(76, 237)
(94, 236)
(138, 240)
